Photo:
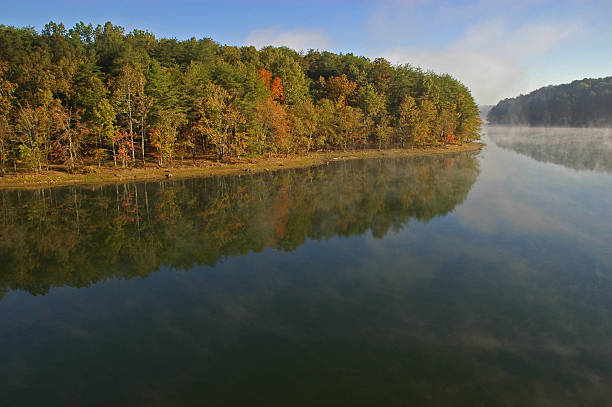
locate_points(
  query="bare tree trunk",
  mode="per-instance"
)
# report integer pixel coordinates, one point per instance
(98, 150)
(70, 140)
(142, 137)
(70, 149)
(131, 125)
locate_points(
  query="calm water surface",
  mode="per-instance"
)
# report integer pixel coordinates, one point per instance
(465, 280)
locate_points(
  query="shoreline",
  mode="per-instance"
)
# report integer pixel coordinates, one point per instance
(202, 168)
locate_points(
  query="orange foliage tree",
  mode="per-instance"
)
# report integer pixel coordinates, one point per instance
(274, 84)
(272, 114)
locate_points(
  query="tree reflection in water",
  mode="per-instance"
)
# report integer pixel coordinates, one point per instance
(576, 148)
(79, 236)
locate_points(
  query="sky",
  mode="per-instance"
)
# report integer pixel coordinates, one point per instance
(498, 49)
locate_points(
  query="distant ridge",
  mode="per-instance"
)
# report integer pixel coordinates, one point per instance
(582, 103)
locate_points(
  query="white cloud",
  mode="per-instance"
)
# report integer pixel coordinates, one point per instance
(491, 58)
(300, 39)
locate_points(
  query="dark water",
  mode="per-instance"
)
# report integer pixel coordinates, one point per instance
(466, 280)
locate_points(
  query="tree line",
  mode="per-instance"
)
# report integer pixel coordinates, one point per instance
(582, 103)
(79, 236)
(101, 95)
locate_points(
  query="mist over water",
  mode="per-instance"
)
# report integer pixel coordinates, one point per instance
(577, 148)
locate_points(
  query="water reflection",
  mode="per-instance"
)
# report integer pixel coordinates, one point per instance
(77, 236)
(499, 296)
(577, 148)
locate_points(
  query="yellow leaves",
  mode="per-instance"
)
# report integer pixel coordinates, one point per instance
(276, 125)
(337, 88)
(6, 91)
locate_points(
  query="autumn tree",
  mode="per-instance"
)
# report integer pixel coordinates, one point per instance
(381, 75)
(71, 94)
(303, 121)
(125, 95)
(70, 132)
(425, 129)
(283, 63)
(469, 122)
(142, 111)
(6, 136)
(328, 134)
(275, 125)
(350, 125)
(408, 119)
(33, 136)
(337, 88)
(272, 115)
(104, 127)
(374, 111)
(220, 120)
(6, 98)
(447, 120)
(121, 139)
(274, 85)
(164, 134)
(194, 81)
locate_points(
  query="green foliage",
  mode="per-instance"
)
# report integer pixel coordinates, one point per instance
(29, 157)
(220, 121)
(124, 92)
(33, 136)
(165, 133)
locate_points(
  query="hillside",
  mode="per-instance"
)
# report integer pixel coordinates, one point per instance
(99, 95)
(582, 103)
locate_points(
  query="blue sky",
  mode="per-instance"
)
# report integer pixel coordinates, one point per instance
(497, 48)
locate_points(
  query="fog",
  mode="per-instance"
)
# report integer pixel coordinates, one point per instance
(577, 148)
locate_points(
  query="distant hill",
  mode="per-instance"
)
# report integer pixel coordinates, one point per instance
(582, 103)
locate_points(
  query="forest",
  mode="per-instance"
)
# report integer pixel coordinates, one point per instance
(78, 236)
(100, 96)
(582, 103)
